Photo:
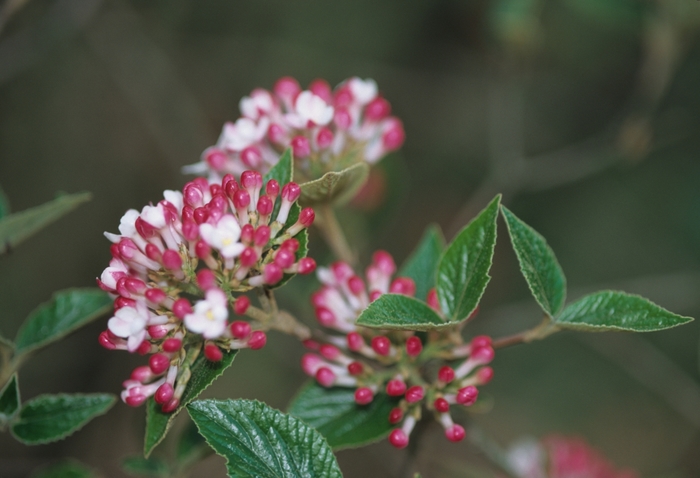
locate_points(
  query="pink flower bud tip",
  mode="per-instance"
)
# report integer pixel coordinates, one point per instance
(398, 438)
(432, 299)
(307, 265)
(202, 249)
(324, 138)
(135, 400)
(172, 345)
(363, 396)
(265, 205)
(164, 394)
(272, 188)
(157, 331)
(484, 375)
(325, 317)
(331, 352)
(355, 368)
(206, 279)
(144, 348)
(240, 329)
(141, 374)
(251, 180)
(105, 341)
(325, 377)
(467, 396)
(291, 192)
(284, 258)
(172, 260)
(300, 147)
(171, 405)
(481, 341)
(181, 307)
(455, 433)
(395, 387)
(394, 137)
(287, 87)
(241, 199)
(381, 345)
(159, 363)
(156, 296)
(484, 354)
(322, 89)
(216, 159)
(384, 261)
(240, 306)
(377, 109)
(356, 285)
(446, 374)
(213, 353)
(414, 394)
(248, 257)
(355, 341)
(257, 340)
(272, 274)
(403, 285)
(307, 216)
(414, 346)
(395, 415)
(262, 235)
(441, 405)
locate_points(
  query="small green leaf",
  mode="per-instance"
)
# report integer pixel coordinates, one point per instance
(463, 271)
(191, 446)
(302, 237)
(4, 204)
(400, 312)
(203, 373)
(139, 466)
(49, 418)
(66, 311)
(335, 187)
(421, 266)
(538, 264)
(612, 310)
(259, 441)
(9, 401)
(283, 171)
(17, 227)
(65, 469)
(336, 415)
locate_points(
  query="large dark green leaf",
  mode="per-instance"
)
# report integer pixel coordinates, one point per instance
(17, 227)
(259, 441)
(335, 186)
(65, 469)
(66, 311)
(9, 401)
(283, 171)
(538, 264)
(49, 418)
(204, 373)
(612, 310)
(463, 271)
(400, 312)
(421, 266)
(344, 423)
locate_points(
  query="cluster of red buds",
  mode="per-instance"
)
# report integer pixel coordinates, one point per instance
(179, 266)
(398, 363)
(561, 457)
(320, 124)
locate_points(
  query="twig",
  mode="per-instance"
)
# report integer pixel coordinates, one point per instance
(333, 234)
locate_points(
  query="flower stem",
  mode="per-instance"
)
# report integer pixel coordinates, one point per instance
(543, 330)
(333, 234)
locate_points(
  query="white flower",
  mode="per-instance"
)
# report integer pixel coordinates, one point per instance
(154, 216)
(312, 108)
(174, 198)
(127, 224)
(116, 270)
(241, 134)
(224, 236)
(257, 104)
(363, 91)
(209, 316)
(130, 323)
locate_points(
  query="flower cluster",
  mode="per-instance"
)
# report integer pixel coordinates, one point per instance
(399, 363)
(176, 267)
(561, 457)
(325, 128)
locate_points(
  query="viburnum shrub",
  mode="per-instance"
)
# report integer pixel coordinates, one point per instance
(192, 282)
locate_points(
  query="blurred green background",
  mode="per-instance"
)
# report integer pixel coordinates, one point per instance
(584, 113)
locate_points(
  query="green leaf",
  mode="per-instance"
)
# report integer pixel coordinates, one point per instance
(613, 310)
(139, 466)
(66, 311)
(335, 186)
(344, 423)
(538, 264)
(259, 441)
(17, 227)
(421, 266)
(4, 204)
(66, 469)
(9, 401)
(302, 237)
(400, 312)
(463, 271)
(283, 171)
(49, 418)
(191, 446)
(203, 373)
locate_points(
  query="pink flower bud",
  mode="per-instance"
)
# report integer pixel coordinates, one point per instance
(159, 363)
(432, 300)
(240, 329)
(395, 415)
(300, 147)
(467, 396)
(284, 258)
(483, 355)
(206, 279)
(377, 109)
(272, 274)
(384, 261)
(262, 235)
(403, 285)
(272, 188)
(480, 341)
(265, 205)
(343, 96)
(247, 234)
(213, 353)
(381, 345)
(181, 307)
(257, 340)
(307, 216)
(441, 405)
(105, 341)
(276, 134)
(310, 363)
(342, 119)
(331, 352)
(414, 346)
(153, 253)
(157, 331)
(287, 88)
(172, 260)
(135, 400)
(484, 375)
(322, 89)
(307, 265)
(248, 257)
(241, 305)
(363, 396)
(355, 368)
(164, 394)
(325, 317)
(251, 180)
(200, 215)
(355, 341)
(291, 192)
(325, 377)
(394, 136)
(324, 138)
(251, 157)
(414, 394)
(142, 374)
(446, 374)
(398, 438)
(395, 388)
(120, 302)
(171, 405)
(455, 433)
(356, 285)
(145, 229)
(156, 296)
(172, 345)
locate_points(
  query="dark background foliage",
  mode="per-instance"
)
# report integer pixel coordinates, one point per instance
(584, 113)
